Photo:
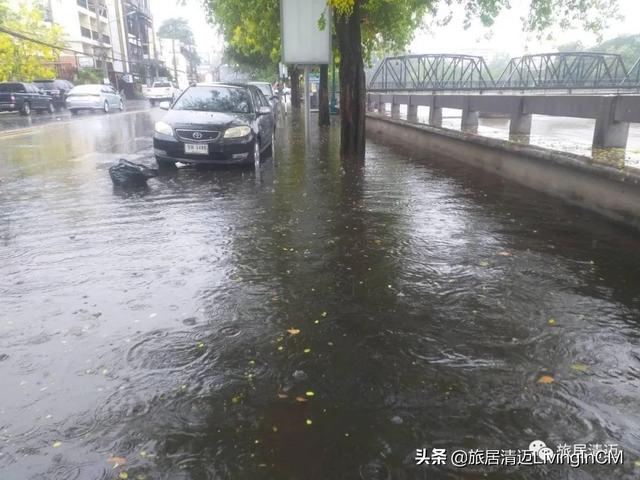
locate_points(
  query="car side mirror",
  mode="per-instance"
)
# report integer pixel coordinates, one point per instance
(165, 105)
(264, 110)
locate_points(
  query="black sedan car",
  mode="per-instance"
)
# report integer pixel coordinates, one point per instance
(215, 124)
(56, 89)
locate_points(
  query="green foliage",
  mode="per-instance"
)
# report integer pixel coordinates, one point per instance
(88, 75)
(251, 29)
(628, 46)
(177, 29)
(23, 59)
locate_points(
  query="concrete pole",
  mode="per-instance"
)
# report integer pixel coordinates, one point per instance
(469, 117)
(395, 109)
(520, 122)
(609, 133)
(307, 103)
(412, 111)
(435, 114)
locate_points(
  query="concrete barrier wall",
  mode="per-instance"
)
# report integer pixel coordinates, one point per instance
(606, 190)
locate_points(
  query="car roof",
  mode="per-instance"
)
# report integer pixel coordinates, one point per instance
(259, 83)
(221, 84)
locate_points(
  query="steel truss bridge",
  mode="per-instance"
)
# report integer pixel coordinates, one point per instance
(549, 71)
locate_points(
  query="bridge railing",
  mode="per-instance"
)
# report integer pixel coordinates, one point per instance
(442, 72)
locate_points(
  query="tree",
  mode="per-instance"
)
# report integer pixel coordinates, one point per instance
(179, 29)
(366, 26)
(21, 58)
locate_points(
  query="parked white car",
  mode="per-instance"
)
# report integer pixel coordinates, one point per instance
(161, 91)
(93, 97)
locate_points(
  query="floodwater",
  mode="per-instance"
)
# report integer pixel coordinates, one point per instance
(573, 135)
(303, 321)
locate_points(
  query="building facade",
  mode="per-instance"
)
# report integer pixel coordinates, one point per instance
(114, 37)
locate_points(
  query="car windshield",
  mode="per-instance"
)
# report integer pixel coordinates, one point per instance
(44, 84)
(161, 84)
(215, 99)
(11, 87)
(86, 89)
(265, 88)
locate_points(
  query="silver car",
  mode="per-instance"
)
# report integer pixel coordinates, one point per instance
(94, 97)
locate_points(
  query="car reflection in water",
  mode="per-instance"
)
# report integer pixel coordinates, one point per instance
(215, 124)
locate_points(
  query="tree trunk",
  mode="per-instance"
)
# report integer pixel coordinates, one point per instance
(323, 97)
(352, 84)
(295, 88)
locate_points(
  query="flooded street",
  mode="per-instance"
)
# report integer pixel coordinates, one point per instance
(303, 321)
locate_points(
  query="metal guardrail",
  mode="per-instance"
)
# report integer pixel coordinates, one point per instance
(568, 70)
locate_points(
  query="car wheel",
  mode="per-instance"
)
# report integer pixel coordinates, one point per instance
(106, 107)
(26, 109)
(121, 106)
(50, 107)
(165, 164)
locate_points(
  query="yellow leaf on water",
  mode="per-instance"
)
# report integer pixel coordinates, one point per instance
(637, 463)
(301, 399)
(282, 395)
(546, 379)
(309, 393)
(324, 314)
(293, 331)
(117, 461)
(123, 476)
(552, 321)
(307, 350)
(484, 263)
(57, 444)
(504, 254)
(309, 421)
(579, 367)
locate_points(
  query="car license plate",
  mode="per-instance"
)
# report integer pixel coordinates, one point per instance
(196, 149)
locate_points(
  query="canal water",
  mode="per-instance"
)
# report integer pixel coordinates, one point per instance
(305, 321)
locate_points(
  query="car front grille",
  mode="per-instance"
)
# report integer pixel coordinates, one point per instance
(197, 135)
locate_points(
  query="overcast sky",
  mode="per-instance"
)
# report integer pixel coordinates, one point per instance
(505, 36)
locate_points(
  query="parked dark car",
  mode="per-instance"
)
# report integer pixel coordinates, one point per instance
(24, 98)
(215, 124)
(57, 89)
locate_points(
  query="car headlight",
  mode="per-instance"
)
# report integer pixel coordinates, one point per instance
(164, 128)
(237, 132)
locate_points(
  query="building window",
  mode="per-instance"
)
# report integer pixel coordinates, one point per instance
(82, 3)
(85, 32)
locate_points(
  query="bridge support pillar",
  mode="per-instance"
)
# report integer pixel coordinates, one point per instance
(435, 116)
(469, 117)
(520, 124)
(395, 110)
(412, 112)
(609, 133)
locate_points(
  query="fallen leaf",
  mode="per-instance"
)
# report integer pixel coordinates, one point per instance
(117, 461)
(637, 463)
(552, 321)
(293, 331)
(123, 476)
(309, 421)
(282, 395)
(200, 344)
(579, 367)
(301, 399)
(307, 350)
(546, 379)
(484, 263)
(57, 444)
(309, 393)
(504, 254)
(324, 314)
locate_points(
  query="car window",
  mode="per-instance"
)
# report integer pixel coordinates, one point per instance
(215, 99)
(265, 88)
(162, 84)
(86, 89)
(263, 100)
(45, 84)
